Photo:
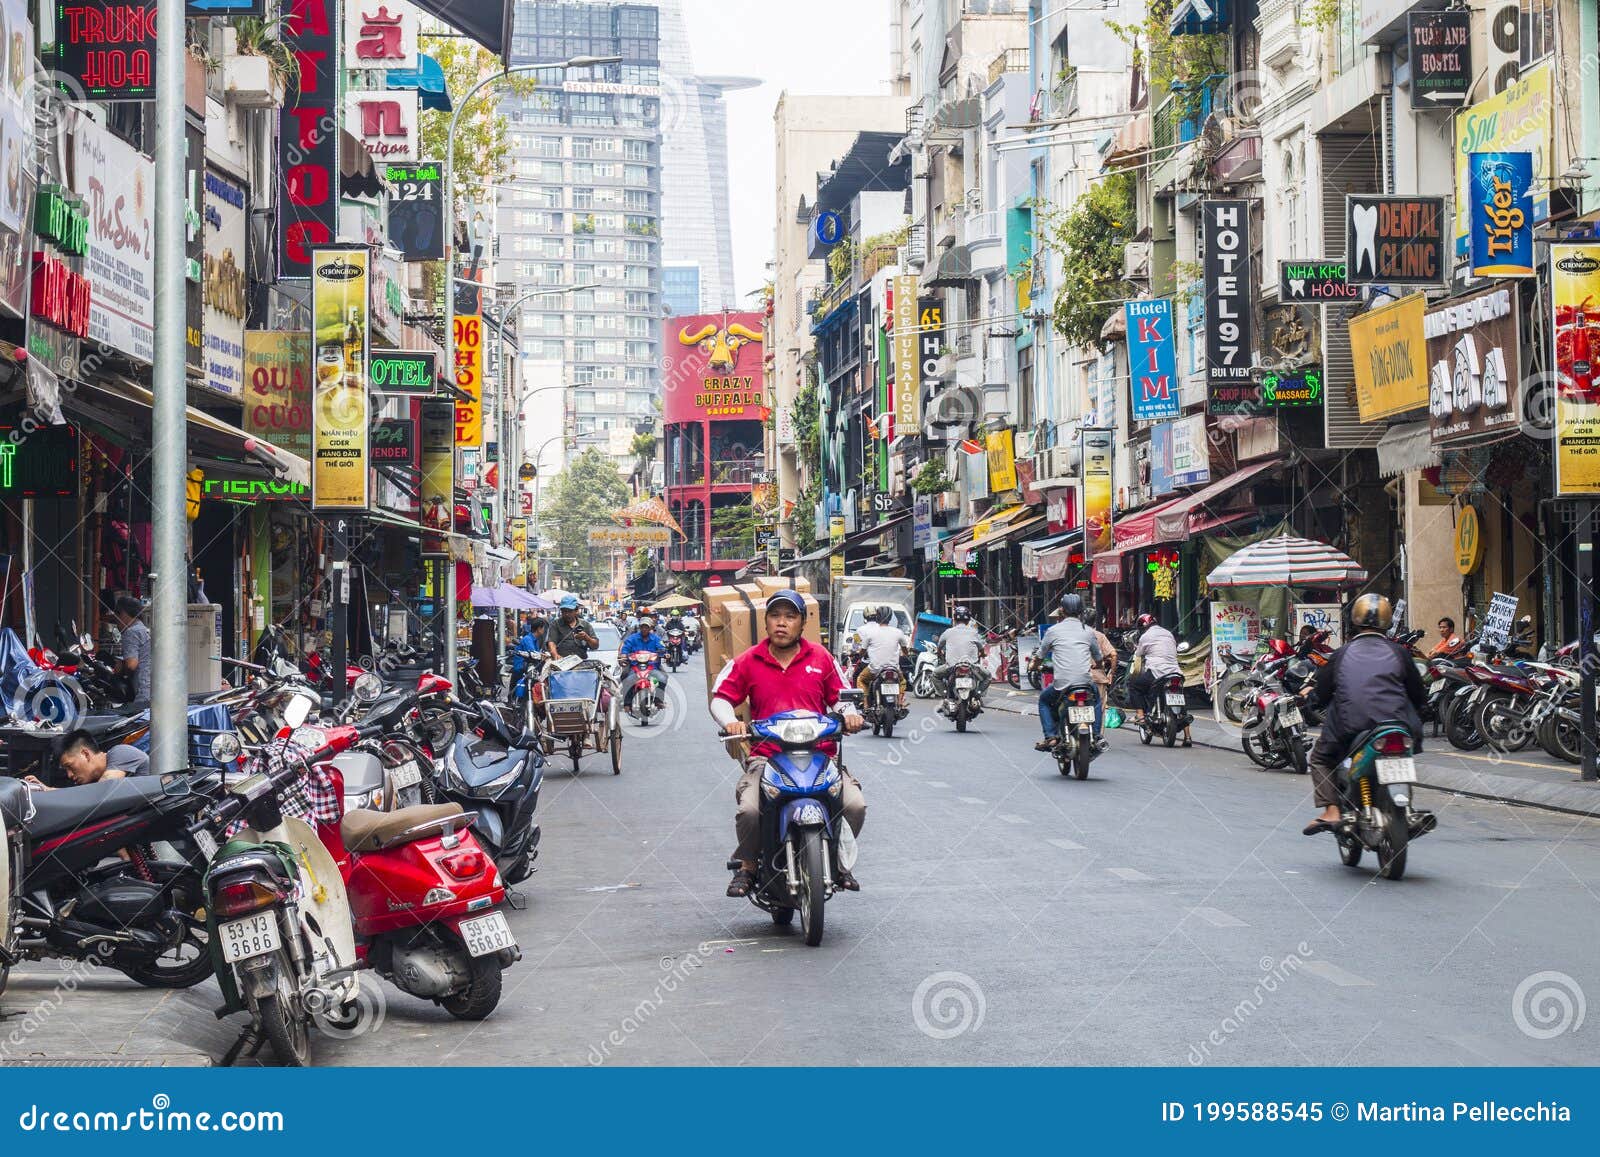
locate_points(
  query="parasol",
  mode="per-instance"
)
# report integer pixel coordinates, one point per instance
(1288, 561)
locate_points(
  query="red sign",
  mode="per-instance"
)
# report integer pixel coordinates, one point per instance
(106, 51)
(59, 296)
(714, 368)
(308, 136)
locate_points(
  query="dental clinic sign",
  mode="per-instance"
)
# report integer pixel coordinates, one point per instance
(1152, 362)
(1394, 240)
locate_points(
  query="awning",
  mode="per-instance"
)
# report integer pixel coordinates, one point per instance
(953, 270)
(1408, 446)
(486, 21)
(1015, 532)
(1046, 559)
(1176, 520)
(866, 533)
(427, 78)
(358, 177)
(1199, 17)
(817, 555)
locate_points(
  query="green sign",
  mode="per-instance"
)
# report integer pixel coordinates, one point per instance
(951, 570)
(252, 490)
(62, 220)
(402, 371)
(1296, 390)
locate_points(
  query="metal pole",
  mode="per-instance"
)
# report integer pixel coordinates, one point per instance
(169, 679)
(339, 530)
(1586, 652)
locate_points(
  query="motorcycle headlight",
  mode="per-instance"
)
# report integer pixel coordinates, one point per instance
(770, 789)
(833, 781)
(498, 785)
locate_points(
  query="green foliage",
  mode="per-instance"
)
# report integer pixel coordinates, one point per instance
(1166, 58)
(1319, 14)
(738, 521)
(808, 424)
(932, 479)
(1090, 239)
(804, 525)
(257, 37)
(584, 495)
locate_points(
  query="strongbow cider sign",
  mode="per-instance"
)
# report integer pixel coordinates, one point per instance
(1575, 296)
(714, 368)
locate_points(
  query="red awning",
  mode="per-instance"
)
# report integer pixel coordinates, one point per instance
(1177, 520)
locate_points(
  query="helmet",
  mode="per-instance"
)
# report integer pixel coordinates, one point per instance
(1072, 605)
(569, 603)
(886, 614)
(1371, 613)
(961, 615)
(1145, 621)
(792, 598)
(646, 621)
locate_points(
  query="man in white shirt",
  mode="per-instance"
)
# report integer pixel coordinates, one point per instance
(1158, 650)
(884, 643)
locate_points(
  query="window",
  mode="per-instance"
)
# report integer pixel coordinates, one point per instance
(636, 151)
(583, 148)
(582, 375)
(638, 251)
(582, 248)
(1292, 199)
(638, 301)
(608, 348)
(638, 351)
(637, 199)
(551, 172)
(554, 246)
(604, 399)
(582, 274)
(583, 198)
(584, 351)
(635, 175)
(583, 299)
(583, 325)
(638, 327)
(605, 373)
(549, 146)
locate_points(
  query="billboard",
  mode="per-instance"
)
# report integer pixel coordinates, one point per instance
(223, 278)
(438, 453)
(1152, 361)
(118, 185)
(1394, 240)
(308, 136)
(1390, 358)
(340, 451)
(1574, 288)
(469, 379)
(906, 405)
(277, 388)
(1501, 188)
(1230, 338)
(1516, 120)
(1472, 366)
(1098, 448)
(712, 369)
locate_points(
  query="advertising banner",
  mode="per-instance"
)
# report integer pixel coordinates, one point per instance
(469, 379)
(626, 536)
(1235, 628)
(1516, 120)
(1473, 366)
(308, 136)
(118, 184)
(277, 389)
(403, 371)
(340, 454)
(922, 532)
(1498, 621)
(907, 407)
(438, 448)
(394, 442)
(1394, 240)
(1230, 339)
(1501, 237)
(1152, 361)
(16, 118)
(1301, 389)
(1441, 57)
(1098, 452)
(415, 201)
(1178, 455)
(1001, 448)
(710, 371)
(1574, 290)
(1390, 358)
(223, 273)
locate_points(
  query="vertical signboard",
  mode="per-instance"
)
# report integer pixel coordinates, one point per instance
(117, 183)
(1441, 58)
(385, 122)
(907, 408)
(1152, 362)
(469, 379)
(1098, 449)
(1000, 445)
(224, 283)
(1501, 237)
(438, 449)
(930, 339)
(277, 388)
(1230, 339)
(340, 453)
(308, 136)
(416, 210)
(1574, 290)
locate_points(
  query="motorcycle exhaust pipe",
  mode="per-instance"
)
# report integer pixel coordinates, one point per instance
(318, 1000)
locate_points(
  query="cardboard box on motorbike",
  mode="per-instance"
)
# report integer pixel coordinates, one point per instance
(735, 621)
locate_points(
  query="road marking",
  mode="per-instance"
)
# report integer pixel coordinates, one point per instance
(971, 799)
(1011, 819)
(1133, 875)
(937, 783)
(1333, 974)
(1065, 845)
(910, 771)
(1217, 918)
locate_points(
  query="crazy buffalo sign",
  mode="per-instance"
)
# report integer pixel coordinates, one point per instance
(711, 371)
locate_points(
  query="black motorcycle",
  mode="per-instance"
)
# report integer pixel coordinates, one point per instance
(1168, 714)
(887, 701)
(675, 648)
(1375, 784)
(963, 701)
(1076, 745)
(495, 771)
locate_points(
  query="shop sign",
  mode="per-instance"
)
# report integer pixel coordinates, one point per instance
(1301, 389)
(61, 220)
(226, 217)
(308, 137)
(1469, 541)
(416, 214)
(1178, 455)
(106, 50)
(277, 388)
(340, 431)
(385, 122)
(198, 9)
(1235, 629)
(1320, 617)
(469, 379)
(402, 371)
(1230, 341)
(930, 339)
(629, 536)
(1574, 292)
(1098, 456)
(59, 296)
(1498, 620)
(1001, 448)
(1394, 240)
(1517, 120)
(38, 462)
(1441, 58)
(438, 446)
(1390, 357)
(1473, 367)
(381, 34)
(1501, 236)
(907, 401)
(253, 490)
(922, 532)
(16, 128)
(394, 442)
(117, 183)
(1152, 361)
(1315, 282)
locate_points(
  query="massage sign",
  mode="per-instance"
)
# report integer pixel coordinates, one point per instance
(1230, 339)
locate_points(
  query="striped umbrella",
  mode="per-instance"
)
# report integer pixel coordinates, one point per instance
(1288, 561)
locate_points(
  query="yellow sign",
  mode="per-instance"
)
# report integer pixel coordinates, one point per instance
(1099, 450)
(907, 399)
(1002, 460)
(836, 528)
(1518, 120)
(1390, 354)
(469, 379)
(340, 473)
(1469, 541)
(836, 564)
(1574, 292)
(438, 455)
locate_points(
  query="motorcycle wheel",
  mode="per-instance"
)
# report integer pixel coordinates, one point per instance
(1012, 678)
(1145, 734)
(289, 1035)
(1460, 730)
(782, 917)
(1561, 739)
(482, 993)
(1502, 724)
(923, 687)
(1262, 753)
(575, 750)
(1350, 850)
(1080, 760)
(811, 897)
(1169, 734)
(1233, 694)
(1297, 755)
(961, 722)
(1033, 680)
(616, 752)
(183, 971)
(1392, 844)
(888, 728)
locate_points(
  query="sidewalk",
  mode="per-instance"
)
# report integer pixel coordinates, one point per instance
(1530, 778)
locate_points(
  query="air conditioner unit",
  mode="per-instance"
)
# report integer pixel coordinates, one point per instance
(1060, 462)
(1136, 260)
(1505, 46)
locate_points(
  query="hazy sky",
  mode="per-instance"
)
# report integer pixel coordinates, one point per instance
(822, 47)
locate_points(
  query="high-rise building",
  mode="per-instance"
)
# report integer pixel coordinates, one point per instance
(584, 208)
(680, 287)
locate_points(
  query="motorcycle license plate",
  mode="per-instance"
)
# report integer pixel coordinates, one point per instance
(1291, 717)
(252, 936)
(1402, 770)
(964, 684)
(1080, 714)
(566, 707)
(406, 774)
(891, 693)
(487, 934)
(207, 844)
(1176, 699)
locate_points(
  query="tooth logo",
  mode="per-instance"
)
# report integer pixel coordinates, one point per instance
(1297, 288)
(1365, 220)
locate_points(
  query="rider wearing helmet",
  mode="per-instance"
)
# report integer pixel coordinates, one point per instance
(784, 672)
(1105, 671)
(961, 642)
(644, 638)
(1156, 653)
(1368, 681)
(1073, 651)
(884, 643)
(570, 634)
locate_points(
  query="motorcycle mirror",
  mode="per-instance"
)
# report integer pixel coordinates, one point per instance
(368, 687)
(225, 748)
(851, 695)
(1183, 648)
(298, 710)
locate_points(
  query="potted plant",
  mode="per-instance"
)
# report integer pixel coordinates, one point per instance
(258, 66)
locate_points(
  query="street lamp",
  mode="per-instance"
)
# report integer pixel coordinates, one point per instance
(450, 643)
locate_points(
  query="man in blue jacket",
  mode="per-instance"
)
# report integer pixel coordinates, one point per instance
(644, 638)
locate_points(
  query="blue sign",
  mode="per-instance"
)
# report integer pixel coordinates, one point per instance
(1161, 459)
(1152, 361)
(1499, 191)
(829, 227)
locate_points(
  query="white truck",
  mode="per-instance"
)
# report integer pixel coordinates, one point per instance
(853, 598)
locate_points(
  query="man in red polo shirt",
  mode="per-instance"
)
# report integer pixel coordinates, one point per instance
(784, 672)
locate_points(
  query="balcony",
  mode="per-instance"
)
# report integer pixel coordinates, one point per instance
(738, 549)
(1180, 118)
(1009, 60)
(735, 471)
(1064, 95)
(985, 241)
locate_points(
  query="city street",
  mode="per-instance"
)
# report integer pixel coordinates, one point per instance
(1166, 911)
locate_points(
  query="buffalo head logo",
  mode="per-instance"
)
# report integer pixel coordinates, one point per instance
(721, 345)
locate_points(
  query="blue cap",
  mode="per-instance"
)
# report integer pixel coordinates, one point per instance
(791, 597)
(570, 603)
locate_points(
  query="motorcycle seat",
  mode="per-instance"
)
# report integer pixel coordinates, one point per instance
(14, 805)
(372, 831)
(75, 807)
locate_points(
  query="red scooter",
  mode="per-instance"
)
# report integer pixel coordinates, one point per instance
(639, 691)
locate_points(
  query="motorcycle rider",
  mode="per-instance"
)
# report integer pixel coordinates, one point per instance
(1369, 680)
(884, 643)
(644, 638)
(1073, 651)
(1105, 672)
(961, 642)
(570, 634)
(1158, 648)
(783, 672)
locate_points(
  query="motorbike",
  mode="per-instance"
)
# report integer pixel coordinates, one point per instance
(639, 687)
(1076, 748)
(1168, 713)
(1375, 784)
(675, 648)
(1008, 669)
(963, 703)
(923, 683)
(496, 773)
(1275, 730)
(804, 839)
(886, 705)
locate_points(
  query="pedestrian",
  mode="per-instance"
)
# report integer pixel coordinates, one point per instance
(137, 646)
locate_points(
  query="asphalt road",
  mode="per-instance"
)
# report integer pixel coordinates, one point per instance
(1166, 911)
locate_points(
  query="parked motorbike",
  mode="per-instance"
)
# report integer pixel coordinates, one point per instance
(1168, 714)
(1375, 784)
(639, 689)
(962, 703)
(886, 704)
(1004, 644)
(493, 770)
(1076, 748)
(1275, 730)
(923, 683)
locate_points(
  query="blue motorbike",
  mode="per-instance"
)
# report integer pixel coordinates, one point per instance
(804, 838)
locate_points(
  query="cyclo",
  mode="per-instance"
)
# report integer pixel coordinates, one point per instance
(574, 705)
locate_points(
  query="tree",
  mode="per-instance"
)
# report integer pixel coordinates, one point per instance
(584, 495)
(1090, 238)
